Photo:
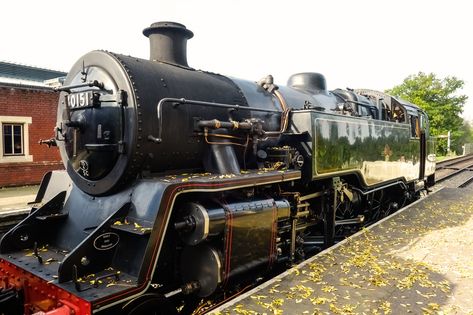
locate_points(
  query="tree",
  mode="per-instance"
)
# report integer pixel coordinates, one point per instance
(466, 136)
(441, 100)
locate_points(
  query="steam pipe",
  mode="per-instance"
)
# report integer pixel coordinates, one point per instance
(179, 101)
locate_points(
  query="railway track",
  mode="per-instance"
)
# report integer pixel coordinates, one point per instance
(453, 161)
(457, 171)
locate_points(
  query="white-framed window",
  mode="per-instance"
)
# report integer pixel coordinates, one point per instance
(14, 143)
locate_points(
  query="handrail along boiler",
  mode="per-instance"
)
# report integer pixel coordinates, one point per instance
(183, 186)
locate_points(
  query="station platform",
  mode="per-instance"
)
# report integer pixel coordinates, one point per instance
(416, 261)
(17, 198)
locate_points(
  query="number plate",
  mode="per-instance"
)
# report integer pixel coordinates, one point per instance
(80, 100)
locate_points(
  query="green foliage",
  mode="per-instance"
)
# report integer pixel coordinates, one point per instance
(441, 100)
(466, 136)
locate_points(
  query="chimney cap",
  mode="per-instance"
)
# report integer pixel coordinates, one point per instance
(172, 26)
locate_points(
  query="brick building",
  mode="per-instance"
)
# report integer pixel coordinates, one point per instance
(27, 114)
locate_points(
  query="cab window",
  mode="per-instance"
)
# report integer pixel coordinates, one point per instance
(415, 126)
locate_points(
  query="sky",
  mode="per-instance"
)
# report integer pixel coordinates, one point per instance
(371, 44)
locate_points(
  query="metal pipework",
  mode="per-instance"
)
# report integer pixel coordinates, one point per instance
(358, 220)
(217, 124)
(50, 142)
(181, 101)
(67, 88)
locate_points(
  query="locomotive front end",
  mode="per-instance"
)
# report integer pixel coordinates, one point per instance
(25, 293)
(112, 107)
(96, 122)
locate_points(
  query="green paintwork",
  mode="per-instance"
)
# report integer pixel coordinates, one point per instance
(377, 150)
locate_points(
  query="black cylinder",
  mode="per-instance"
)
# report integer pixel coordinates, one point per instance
(168, 42)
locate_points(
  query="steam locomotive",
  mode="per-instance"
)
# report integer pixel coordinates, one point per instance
(183, 187)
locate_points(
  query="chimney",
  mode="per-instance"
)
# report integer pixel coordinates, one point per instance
(168, 42)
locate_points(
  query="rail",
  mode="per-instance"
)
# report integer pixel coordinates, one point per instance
(453, 161)
(453, 167)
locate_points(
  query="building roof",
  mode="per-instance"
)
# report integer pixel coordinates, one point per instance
(28, 75)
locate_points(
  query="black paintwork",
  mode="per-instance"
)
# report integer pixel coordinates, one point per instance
(147, 203)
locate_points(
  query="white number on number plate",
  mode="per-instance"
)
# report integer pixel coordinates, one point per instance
(82, 99)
